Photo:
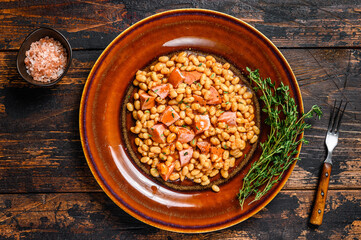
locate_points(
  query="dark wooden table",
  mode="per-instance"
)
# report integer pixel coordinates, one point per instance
(46, 188)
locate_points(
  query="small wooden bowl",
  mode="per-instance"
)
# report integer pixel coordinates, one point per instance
(33, 37)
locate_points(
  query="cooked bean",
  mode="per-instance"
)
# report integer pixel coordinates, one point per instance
(137, 129)
(148, 142)
(137, 104)
(154, 172)
(247, 95)
(250, 135)
(190, 166)
(236, 153)
(199, 175)
(200, 69)
(202, 110)
(214, 173)
(226, 165)
(137, 141)
(256, 130)
(215, 188)
(197, 180)
(188, 120)
(158, 67)
(185, 170)
(174, 176)
(173, 93)
(179, 91)
(135, 82)
(181, 59)
(188, 99)
(169, 63)
(225, 135)
(144, 159)
(130, 107)
(141, 78)
(207, 164)
(195, 172)
(185, 146)
(171, 137)
(163, 59)
(224, 173)
(174, 129)
(204, 183)
(179, 97)
(155, 150)
(201, 59)
(214, 140)
(195, 106)
(143, 86)
(253, 139)
(179, 146)
(225, 154)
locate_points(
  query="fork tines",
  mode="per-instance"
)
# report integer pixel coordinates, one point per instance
(335, 119)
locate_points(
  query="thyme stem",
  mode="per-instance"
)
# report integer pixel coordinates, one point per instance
(279, 150)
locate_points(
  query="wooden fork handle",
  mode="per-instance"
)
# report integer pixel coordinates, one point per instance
(319, 205)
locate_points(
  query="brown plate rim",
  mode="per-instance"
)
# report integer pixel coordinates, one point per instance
(92, 163)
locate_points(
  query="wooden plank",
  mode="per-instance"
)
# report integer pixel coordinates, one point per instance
(95, 216)
(93, 24)
(40, 150)
(325, 76)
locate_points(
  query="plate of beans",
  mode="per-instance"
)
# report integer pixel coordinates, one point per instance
(170, 124)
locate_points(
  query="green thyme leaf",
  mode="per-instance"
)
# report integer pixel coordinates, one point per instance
(278, 151)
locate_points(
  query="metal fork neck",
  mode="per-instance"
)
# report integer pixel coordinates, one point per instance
(328, 158)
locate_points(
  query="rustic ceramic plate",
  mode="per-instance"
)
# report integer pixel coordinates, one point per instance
(136, 193)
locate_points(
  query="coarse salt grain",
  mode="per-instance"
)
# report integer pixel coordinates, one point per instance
(45, 60)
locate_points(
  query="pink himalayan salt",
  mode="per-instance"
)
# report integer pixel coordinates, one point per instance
(45, 60)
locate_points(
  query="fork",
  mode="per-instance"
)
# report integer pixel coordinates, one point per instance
(331, 142)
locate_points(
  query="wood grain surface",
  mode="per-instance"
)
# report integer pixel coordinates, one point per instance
(46, 188)
(93, 24)
(95, 216)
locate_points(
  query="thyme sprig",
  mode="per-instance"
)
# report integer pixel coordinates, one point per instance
(280, 148)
